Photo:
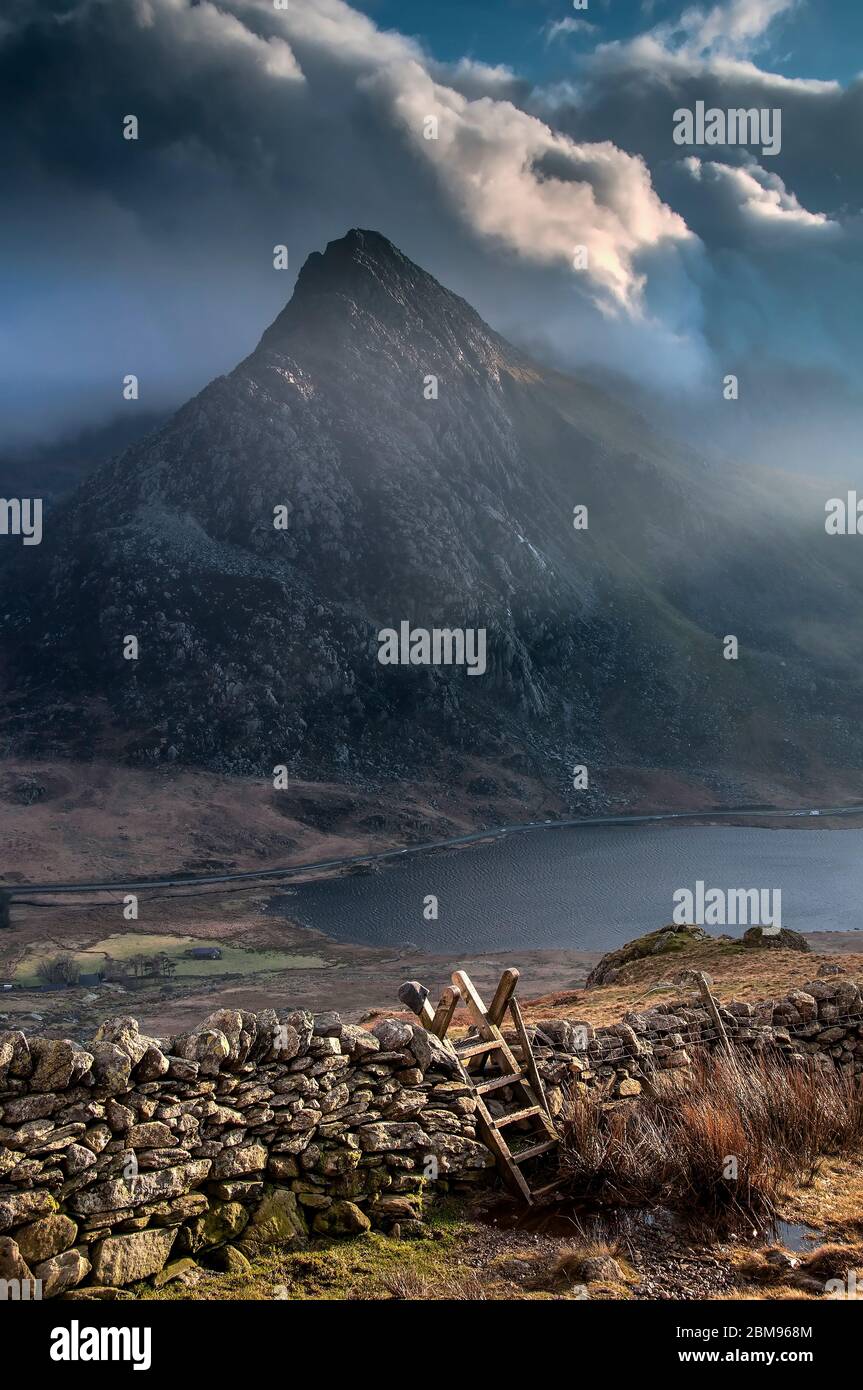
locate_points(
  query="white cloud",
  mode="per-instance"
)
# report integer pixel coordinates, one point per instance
(732, 28)
(489, 152)
(205, 29)
(759, 195)
(571, 25)
(489, 158)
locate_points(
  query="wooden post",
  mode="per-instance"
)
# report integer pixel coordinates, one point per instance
(502, 995)
(710, 1005)
(449, 1002)
(528, 1061)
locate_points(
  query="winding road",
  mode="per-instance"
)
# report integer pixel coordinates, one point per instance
(20, 891)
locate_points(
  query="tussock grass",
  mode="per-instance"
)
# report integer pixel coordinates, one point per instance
(727, 1138)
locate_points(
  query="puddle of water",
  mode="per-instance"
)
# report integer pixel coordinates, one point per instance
(794, 1235)
(582, 1220)
(621, 1224)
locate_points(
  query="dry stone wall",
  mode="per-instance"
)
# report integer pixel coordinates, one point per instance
(822, 1019)
(127, 1153)
(124, 1156)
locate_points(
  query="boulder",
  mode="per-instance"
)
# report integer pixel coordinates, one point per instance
(18, 1207)
(13, 1266)
(557, 1032)
(176, 1269)
(230, 1260)
(48, 1236)
(111, 1067)
(431, 1052)
(785, 938)
(78, 1159)
(456, 1154)
(392, 1034)
(15, 1058)
(241, 1158)
(118, 1193)
(357, 1041)
(390, 1137)
(151, 1135)
(208, 1047)
(62, 1272)
(341, 1219)
(60, 1062)
(277, 1220)
(124, 1034)
(327, 1025)
(223, 1221)
(124, 1259)
(152, 1065)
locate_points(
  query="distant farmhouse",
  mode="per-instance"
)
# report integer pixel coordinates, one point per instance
(203, 953)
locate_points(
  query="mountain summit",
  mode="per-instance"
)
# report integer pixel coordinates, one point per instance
(384, 458)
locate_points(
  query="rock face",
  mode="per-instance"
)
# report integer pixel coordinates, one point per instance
(428, 472)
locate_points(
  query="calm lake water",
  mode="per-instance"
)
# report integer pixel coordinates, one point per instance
(584, 889)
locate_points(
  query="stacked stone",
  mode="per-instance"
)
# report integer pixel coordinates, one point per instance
(122, 1158)
(824, 1018)
(253, 1129)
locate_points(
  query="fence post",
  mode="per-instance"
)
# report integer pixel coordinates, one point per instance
(710, 1005)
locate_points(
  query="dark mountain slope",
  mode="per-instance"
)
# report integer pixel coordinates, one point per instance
(259, 646)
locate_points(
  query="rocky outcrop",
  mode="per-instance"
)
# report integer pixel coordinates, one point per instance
(784, 939)
(665, 941)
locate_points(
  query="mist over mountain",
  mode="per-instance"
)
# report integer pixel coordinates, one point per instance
(259, 646)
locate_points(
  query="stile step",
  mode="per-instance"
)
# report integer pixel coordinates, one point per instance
(534, 1151)
(476, 1049)
(497, 1081)
(517, 1115)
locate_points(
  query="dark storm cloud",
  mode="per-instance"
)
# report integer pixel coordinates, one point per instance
(155, 255)
(259, 127)
(782, 234)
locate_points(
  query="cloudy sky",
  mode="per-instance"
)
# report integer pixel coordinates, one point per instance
(261, 125)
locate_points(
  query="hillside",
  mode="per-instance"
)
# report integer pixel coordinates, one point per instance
(259, 645)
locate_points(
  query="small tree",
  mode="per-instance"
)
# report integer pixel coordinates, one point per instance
(116, 970)
(5, 908)
(59, 970)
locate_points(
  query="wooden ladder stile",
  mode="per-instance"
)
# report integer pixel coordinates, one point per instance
(487, 1045)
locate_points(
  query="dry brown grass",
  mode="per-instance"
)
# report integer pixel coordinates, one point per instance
(738, 971)
(410, 1286)
(728, 1139)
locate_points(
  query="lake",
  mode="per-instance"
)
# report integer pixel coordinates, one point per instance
(583, 888)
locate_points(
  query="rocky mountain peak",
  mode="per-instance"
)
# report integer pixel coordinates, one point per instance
(363, 285)
(385, 458)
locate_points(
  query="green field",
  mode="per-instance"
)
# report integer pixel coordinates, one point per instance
(123, 945)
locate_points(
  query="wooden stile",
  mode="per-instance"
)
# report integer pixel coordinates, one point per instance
(487, 1045)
